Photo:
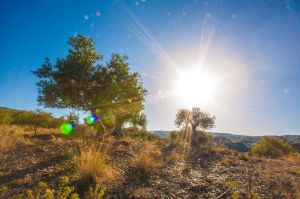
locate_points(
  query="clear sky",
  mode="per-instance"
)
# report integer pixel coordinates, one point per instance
(250, 48)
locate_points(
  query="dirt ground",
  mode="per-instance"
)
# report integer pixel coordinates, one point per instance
(46, 158)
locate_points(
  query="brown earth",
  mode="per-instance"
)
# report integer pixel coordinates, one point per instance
(211, 175)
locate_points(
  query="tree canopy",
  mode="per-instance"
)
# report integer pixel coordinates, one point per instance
(110, 91)
(195, 120)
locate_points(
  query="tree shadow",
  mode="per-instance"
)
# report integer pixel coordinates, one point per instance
(19, 174)
(133, 179)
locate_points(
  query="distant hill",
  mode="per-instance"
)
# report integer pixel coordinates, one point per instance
(162, 134)
(8, 109)
(240, 143)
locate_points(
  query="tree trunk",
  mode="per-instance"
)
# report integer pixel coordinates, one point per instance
(194, 137)
(102, 126)
(117, 131)
(93, 112)
(35, 130)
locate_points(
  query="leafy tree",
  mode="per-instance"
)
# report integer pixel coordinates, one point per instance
(194, 120)
(110, 91)
(139, 120)
(272, 147)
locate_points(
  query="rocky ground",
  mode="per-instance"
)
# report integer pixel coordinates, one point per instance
(220, 174)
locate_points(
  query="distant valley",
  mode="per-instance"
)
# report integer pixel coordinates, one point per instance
(241, 143)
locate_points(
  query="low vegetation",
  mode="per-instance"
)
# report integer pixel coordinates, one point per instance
(9, 138)
(149, 159)
(272, 147)
(32, 119)
(91, 164)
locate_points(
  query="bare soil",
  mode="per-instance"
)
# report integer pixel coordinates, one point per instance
(199, 176)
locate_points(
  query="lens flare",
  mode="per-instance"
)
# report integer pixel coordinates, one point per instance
(67, 128)
(91, 119)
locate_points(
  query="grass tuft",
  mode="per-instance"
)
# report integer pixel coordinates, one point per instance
(91, 164)
(9, 138)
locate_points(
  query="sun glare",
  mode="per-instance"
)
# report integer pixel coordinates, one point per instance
(196, 87)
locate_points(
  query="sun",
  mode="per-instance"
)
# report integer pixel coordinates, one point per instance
(196, 87)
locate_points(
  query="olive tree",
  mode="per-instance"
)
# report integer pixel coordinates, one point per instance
(110, 91)
(194, 120)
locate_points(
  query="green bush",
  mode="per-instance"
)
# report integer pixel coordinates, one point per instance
(36, 119)
(43, 191)
(272, 147)
(5, 116)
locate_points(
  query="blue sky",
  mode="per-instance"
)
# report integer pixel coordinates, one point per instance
(252, 46)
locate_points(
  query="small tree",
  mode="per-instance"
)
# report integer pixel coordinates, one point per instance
(110, 91)
(73, 117)
(195, 120)
(272, 147)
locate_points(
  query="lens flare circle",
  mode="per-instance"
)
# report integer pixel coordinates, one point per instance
(67, 128)
(91, 119)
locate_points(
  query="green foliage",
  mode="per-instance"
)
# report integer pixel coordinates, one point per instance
(5, 116)
(77, 81)
(3, 190)
(36, 119)
(196, 121)
(204, 139)
(272, 147)
(96, 192)
(230, 184)
(139, 120)
(43, 191)
(174, 136)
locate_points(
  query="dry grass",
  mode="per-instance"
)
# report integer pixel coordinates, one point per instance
(148, 160)
(174, 156)
(293, 157)
(141, 193)
(92, 164)
(9, 138)
(84, 131)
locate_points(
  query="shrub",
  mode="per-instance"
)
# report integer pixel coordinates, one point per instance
(148, 160)
(174, 156)
(145, 163)
(63, 191)
(3, 190)
(91, 164)
(36, 119)
(5, 116)
(292, 157)
(9, 138)
(96, 192)
(205, 140)
(84, 131)
(272, 147)
(174, 136)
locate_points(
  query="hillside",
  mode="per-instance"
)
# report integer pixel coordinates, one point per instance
(144, 169)
(240, 143)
